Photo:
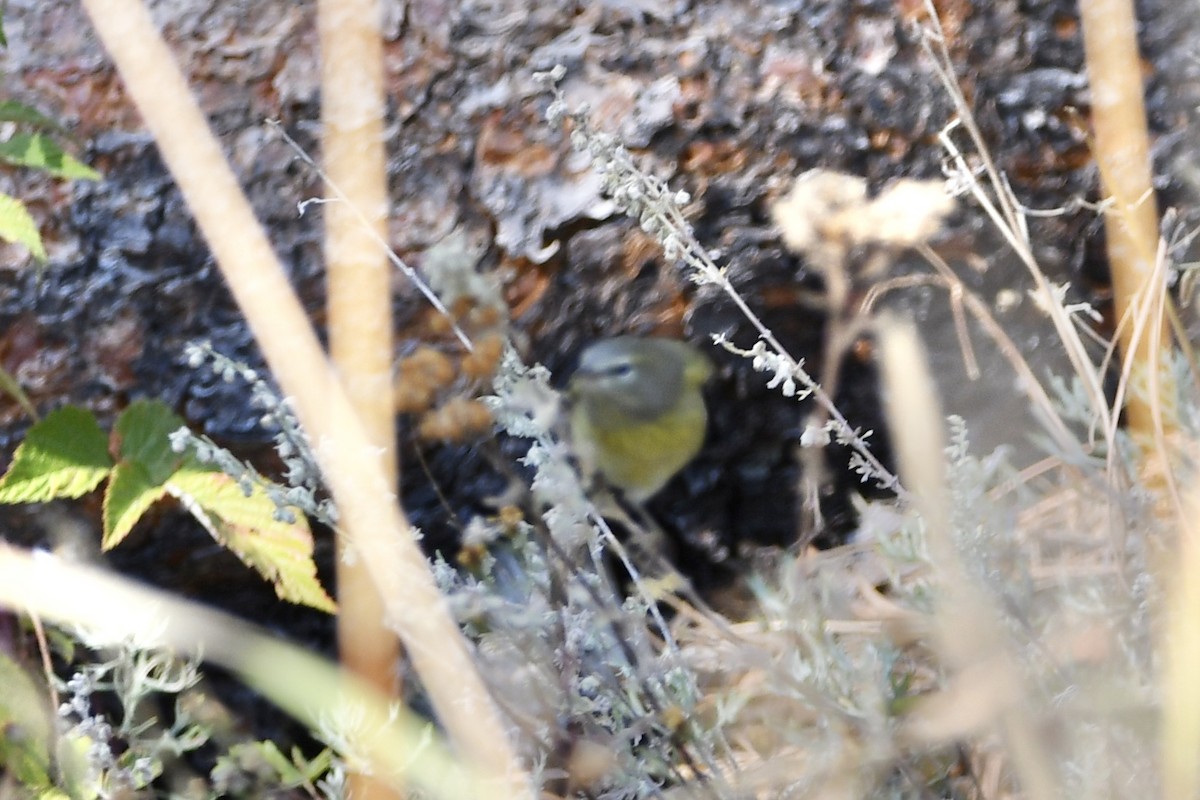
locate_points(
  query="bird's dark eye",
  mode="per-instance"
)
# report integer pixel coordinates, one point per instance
(622, 370)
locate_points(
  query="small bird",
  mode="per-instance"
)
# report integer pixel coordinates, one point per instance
(637, 413)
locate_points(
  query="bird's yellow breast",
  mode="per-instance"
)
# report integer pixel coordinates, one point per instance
(638, 456)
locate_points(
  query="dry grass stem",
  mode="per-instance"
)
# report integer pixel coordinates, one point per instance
(1006, 213)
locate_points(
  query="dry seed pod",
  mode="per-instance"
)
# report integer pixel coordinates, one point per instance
(510, 518)
(470, 557)
(439, 323)
(461, 307)
(485, 358)
(458, 420)
(485, 317)
(409, 397)
(419, 377)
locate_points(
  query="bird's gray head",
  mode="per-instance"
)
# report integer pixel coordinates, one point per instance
(643, 377)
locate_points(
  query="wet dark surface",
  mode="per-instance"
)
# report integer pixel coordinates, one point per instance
(727, 100)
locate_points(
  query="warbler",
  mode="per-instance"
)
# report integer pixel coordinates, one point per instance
(637, 414)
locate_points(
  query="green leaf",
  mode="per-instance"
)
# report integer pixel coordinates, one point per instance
(24, 728)
(141, 437)
(64, 455)
(12, 111)
(62, 644)
(129, 494)
(141, 442)
(10, 385)
(289, 776)
(16, 225)
(282, 552)
(71, 759)
(41, 152)
(291, 773)
(315, 768)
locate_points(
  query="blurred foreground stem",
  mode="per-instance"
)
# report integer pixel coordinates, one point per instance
(365, 497)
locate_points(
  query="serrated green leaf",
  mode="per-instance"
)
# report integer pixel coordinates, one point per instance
(24, 728)
(16, 225)
(39, 151)
(64, 455)
(12, 111)
(128, 495)
(141, 437)
(282, 552)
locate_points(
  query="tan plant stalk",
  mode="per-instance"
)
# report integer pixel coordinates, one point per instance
(359, 304)
(1180, 696)
(1122, 152)
(364, 495)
